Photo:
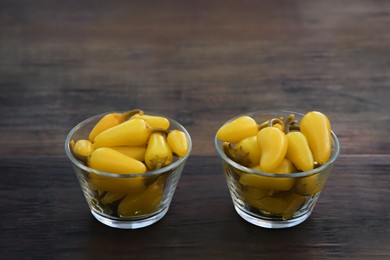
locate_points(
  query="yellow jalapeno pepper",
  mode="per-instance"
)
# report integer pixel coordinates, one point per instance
(285, 167)
(272, 206)
(154, 121)
(177, 141)
(84, 147)
(250, 192)
(158, 153)
(298, 151)
(309, 185)
(108, 160)
(135, 152)
(270, 183)
(246, 152)
(294, 203)
(273, 145)
(317, 129)
(116, 185)
(110, 197)
(144, 203)
(238, 129)
(110, 120)
(104, 123)
(134, 132)
(284, 206)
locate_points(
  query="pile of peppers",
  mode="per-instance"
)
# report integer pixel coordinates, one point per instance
(129, 143)
(280, 146)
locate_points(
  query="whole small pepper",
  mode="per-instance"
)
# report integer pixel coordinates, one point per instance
(246, 152)
(177, 141)
(298, 151)
(273, 145)
(108, 160)
(133, 132)
(238, 129)
(153, 121)
(111, 120)
(317, 129)
(158, 153)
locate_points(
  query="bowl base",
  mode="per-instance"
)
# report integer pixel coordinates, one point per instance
(130, 224)
(268, 222)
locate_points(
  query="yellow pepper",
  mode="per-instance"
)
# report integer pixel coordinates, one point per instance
(116, 185)
(108, 160)
(158, 153)
(272, 206)
(83, 147)
(246, 152)
(238, 129)
(273, 145)
(294, 203)
(249, 192)
(110, 120)
(316, 127)
(285, 167)
(111, 197)
(298, 151)
(270, 183)
(134, 132)
(309, 185)
(154, 121)
(135, 152)
(177, 141)
(144, 203)
(284, 206)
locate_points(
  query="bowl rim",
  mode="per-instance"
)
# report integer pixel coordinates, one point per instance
(334, 154)
(172, 166)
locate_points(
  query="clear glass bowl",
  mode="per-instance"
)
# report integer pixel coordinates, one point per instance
(126, 201)
(277, 200)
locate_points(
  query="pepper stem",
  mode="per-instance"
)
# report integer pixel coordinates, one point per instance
(227, 149)
(276, 121)
(262, 125)
(127, 115)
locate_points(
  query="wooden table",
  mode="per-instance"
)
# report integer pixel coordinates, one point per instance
(200, 62)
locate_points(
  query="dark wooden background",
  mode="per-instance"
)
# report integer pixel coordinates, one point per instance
(200, 62)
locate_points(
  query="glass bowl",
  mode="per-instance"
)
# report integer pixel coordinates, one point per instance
(274, 200)
(127, 201)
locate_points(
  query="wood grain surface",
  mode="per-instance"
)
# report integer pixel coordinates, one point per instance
(201, 63)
